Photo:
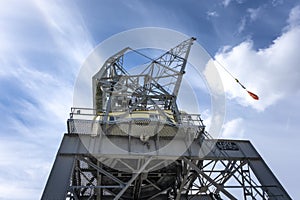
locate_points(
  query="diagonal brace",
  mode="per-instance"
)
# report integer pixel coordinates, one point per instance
(103, 171)
(133, 178)
(219, 187)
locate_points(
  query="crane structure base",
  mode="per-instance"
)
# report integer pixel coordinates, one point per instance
(86, 168)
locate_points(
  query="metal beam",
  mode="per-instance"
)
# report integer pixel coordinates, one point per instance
(86, 145)
(183, 182)
(59, 179)
(143, 167)
(219, 187)
(268, 179)
(103, 171)
(83, 146)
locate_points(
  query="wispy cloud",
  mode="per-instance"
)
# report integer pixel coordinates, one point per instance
(67, 29)
(251, 15)
(233, 129)
(225, 3)
(294, 17)
(44, 43)
(212, 14)
(41, 40)
(277, 2)
(242, 25)
(254, 13)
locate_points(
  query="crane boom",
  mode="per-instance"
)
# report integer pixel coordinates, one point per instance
(155, 88)
(168, 69)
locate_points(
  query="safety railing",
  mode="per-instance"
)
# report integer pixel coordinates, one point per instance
(84, 120)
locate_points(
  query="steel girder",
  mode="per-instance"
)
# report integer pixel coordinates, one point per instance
(232, 170)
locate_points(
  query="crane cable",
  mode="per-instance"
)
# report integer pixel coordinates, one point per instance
(254, 96)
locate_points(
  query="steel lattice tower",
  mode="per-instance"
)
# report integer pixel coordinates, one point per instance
(139, 114)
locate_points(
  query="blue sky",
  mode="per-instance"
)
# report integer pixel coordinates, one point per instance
(44, 43)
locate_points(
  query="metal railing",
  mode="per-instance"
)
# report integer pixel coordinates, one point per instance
(84, 120)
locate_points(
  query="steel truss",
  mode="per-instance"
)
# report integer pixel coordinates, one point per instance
(155, 88)
(193, 178)
(232, 170)
(88, 166)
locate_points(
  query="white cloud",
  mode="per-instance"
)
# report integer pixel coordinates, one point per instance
(242, 25)
(67, 28)
(233, 129)
(294, 17)
(251, 15)
(35, 118)
(226, 2)
(277, 2)
(240, 1)
(272, 72)
(32, 131)
(22, 168)
(212, 14)
(254, 13)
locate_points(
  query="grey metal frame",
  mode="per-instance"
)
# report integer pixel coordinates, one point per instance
(155, 88)
(78, 174)
(86, 166)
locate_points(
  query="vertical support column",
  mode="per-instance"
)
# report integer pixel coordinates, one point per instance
(134, 176)
(270, 183)
(99, 182)
(59, 179)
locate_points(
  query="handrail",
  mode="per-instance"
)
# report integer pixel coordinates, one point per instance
(186, 118)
